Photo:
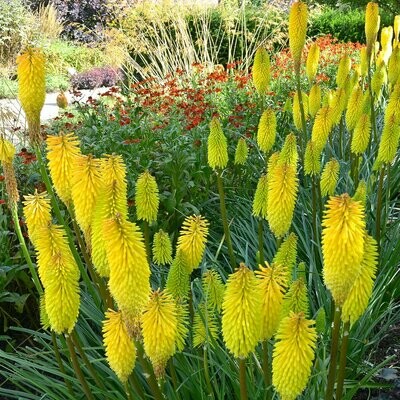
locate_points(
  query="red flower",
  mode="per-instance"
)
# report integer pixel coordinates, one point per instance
(2, 201)
(2, 178)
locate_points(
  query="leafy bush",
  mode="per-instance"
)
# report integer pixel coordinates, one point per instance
(96, 77)
(347, 24)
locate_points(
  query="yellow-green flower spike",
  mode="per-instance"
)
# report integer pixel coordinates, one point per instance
(320, 321)
(297, 31)
(343, 70)
(192, 240)
(361, 193)
(178, 278)
(266, 132)
(162, 248)
(312, 159)
(394, 66)
(297, 111)
(361, 134)
(217, 146)
(260, 202)
(241, 152)
(329, 177)
(293, 355)
(360, 293)
(241, 312)
(354, 111)
(386, 43)
(314, 100)
(182, 331)
(322, 127)
(261, 71)
(389, 142)
(273, 281)
(296, 299)
(372, 21)
(363, 62)
(146, 197)
(312, 62)
(287, 253)
(342, 245)
(205, 327)
(160, 329)
(7, 151)
(119, 346)
(213, 289)
(289, 152)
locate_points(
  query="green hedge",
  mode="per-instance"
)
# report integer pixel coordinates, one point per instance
(346, 25)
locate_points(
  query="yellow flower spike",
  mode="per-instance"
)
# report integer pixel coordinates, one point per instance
(192, 240)
(361, 193)
(322, 127)
(366, 104)
(159, 329)
(11, 184)
(312, 159)
(361, 135)
(217, 146)
(32, 88)
(182, 330)
(379, 78)
(44, 319)
(363, 62)
(314, 100)
(205, 327)
(287, 106)
(342, 245)
(372, 21)
(312, 62)
(354, 111)
(37, 213)
(7, 151)
(260, 202)
(376, 53)
(329, 177)
(392, 112)
(289, 152)
(353, 81)
(396, 26)
(241, 312)
(266, 132)
(178, 278)
(293, 355)
(343, 70)
(297, 31)
(213, 289)
(297, 111)
(146, 197)
(338, 105)
(386, 43)
(85, 186)
(360, 293)
(287, 253)
(110, 202)
(119, 346)
(282, 194)
(162, 248)
(62, 152)
(59, 275)
(241, 152)
(261, 71)
(129, 281)
(296, 299)
(273, 281)
(394, 66)
(389, 142)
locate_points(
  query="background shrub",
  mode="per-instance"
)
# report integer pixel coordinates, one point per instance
(96, 77)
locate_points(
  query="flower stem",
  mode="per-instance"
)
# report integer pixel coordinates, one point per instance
(333, 358)
(207, 372)
(136, 385)
(379, 207)
(25, 252)
(225, 219)
(174, 377)
(314, 211)
(60, 363)
(75, 341)
(242, 373)
(266, 369)
(146, 232)
(342, 361)
(303, 141)
(77, 369)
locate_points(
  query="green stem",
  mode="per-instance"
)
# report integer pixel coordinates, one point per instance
(333, 358)
(149, 373)
(342, 361)
(242, 376)
(60, 364)
(174, 377)
(303, 141)
(341, 128)
(371, 94)
(75, 341)
(314, 212)
(25, 252)
(61, 221)
(77, 369)
(146, 233)
(261, 241)
(379, 207)
(225, 219)
(136, 385)
(127, 392)
(321, 209)
(266, 369)
(207, 372)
